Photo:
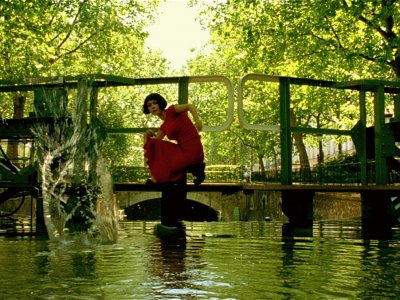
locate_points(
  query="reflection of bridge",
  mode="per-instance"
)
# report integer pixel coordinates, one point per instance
(377, 142)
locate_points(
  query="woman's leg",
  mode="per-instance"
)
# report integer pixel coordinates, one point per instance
(198, 171)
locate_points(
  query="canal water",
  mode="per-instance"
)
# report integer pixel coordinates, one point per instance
(220, 260)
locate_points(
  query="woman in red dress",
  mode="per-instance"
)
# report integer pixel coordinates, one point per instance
(169, 161)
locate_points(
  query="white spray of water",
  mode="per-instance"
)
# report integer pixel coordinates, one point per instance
(106, 217)
(59, 152)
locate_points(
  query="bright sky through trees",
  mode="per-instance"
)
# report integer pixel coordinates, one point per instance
(176, 32)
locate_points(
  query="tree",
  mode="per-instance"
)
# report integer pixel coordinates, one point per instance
(58, 37)
(334, 40)
(42, 38)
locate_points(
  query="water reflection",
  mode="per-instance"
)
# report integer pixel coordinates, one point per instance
(232, 260)
(379, 256)
(172, 264)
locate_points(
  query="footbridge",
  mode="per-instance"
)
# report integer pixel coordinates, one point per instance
(374, 138)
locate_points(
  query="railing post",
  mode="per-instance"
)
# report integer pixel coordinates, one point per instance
(377, 212)
(286, 134)
(381, 169)
(183, 90)
(362, 150)
(396, 105)
(298, 207)
(172, 198)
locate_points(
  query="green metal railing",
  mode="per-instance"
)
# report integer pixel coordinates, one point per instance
(384, 140)
(383, 137)
(183, 95)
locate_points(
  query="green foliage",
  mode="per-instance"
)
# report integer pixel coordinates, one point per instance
(331, 40)
(43, 38)
(342, 160)
(214, 173)
(48, 38)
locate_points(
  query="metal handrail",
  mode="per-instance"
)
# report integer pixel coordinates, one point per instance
(230, 110)
(191, 79)
(242, 120)
(273, 127)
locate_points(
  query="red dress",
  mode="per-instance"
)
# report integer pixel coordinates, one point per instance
(168, 161)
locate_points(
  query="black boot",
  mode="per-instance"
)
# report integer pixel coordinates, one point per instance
(198, 171)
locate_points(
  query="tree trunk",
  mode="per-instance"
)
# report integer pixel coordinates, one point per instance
(395, 65)
(301, 148)
(340, 148)
(261, 163)
(321, 155)
(19, 107)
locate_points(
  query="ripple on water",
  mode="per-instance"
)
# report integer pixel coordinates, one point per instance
(237, 260)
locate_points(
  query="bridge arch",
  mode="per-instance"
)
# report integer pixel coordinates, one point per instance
(225, 207)
(146, 205)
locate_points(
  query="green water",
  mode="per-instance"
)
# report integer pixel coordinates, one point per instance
(235, 260)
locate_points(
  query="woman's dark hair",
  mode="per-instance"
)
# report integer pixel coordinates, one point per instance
(162, 103)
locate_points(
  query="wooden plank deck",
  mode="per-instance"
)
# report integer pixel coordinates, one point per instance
(190, 187)
(232, 187)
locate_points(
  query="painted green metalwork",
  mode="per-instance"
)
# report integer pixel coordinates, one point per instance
(183, 90)
(384, 138)
(381, 168)
(286, 135)
(362, 138)
(54, 92)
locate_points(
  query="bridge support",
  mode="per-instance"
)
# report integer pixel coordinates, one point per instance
(41, 229)
(377, 216)
(172, 199)
(298, 207)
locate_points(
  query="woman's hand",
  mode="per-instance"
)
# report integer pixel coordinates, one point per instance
(198, 124)
(150, 133)
(154, 134)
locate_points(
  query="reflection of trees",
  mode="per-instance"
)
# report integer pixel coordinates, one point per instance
(331, 261)
(380, 263)
(83, 265)
(67, 263)
(288, 271)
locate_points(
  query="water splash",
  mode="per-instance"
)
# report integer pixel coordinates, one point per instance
(75, 181)
(107, 210)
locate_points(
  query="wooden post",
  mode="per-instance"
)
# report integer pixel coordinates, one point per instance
(362, 149)
(41, 229)
(298, 207)
(377, 215)
(173, 197)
